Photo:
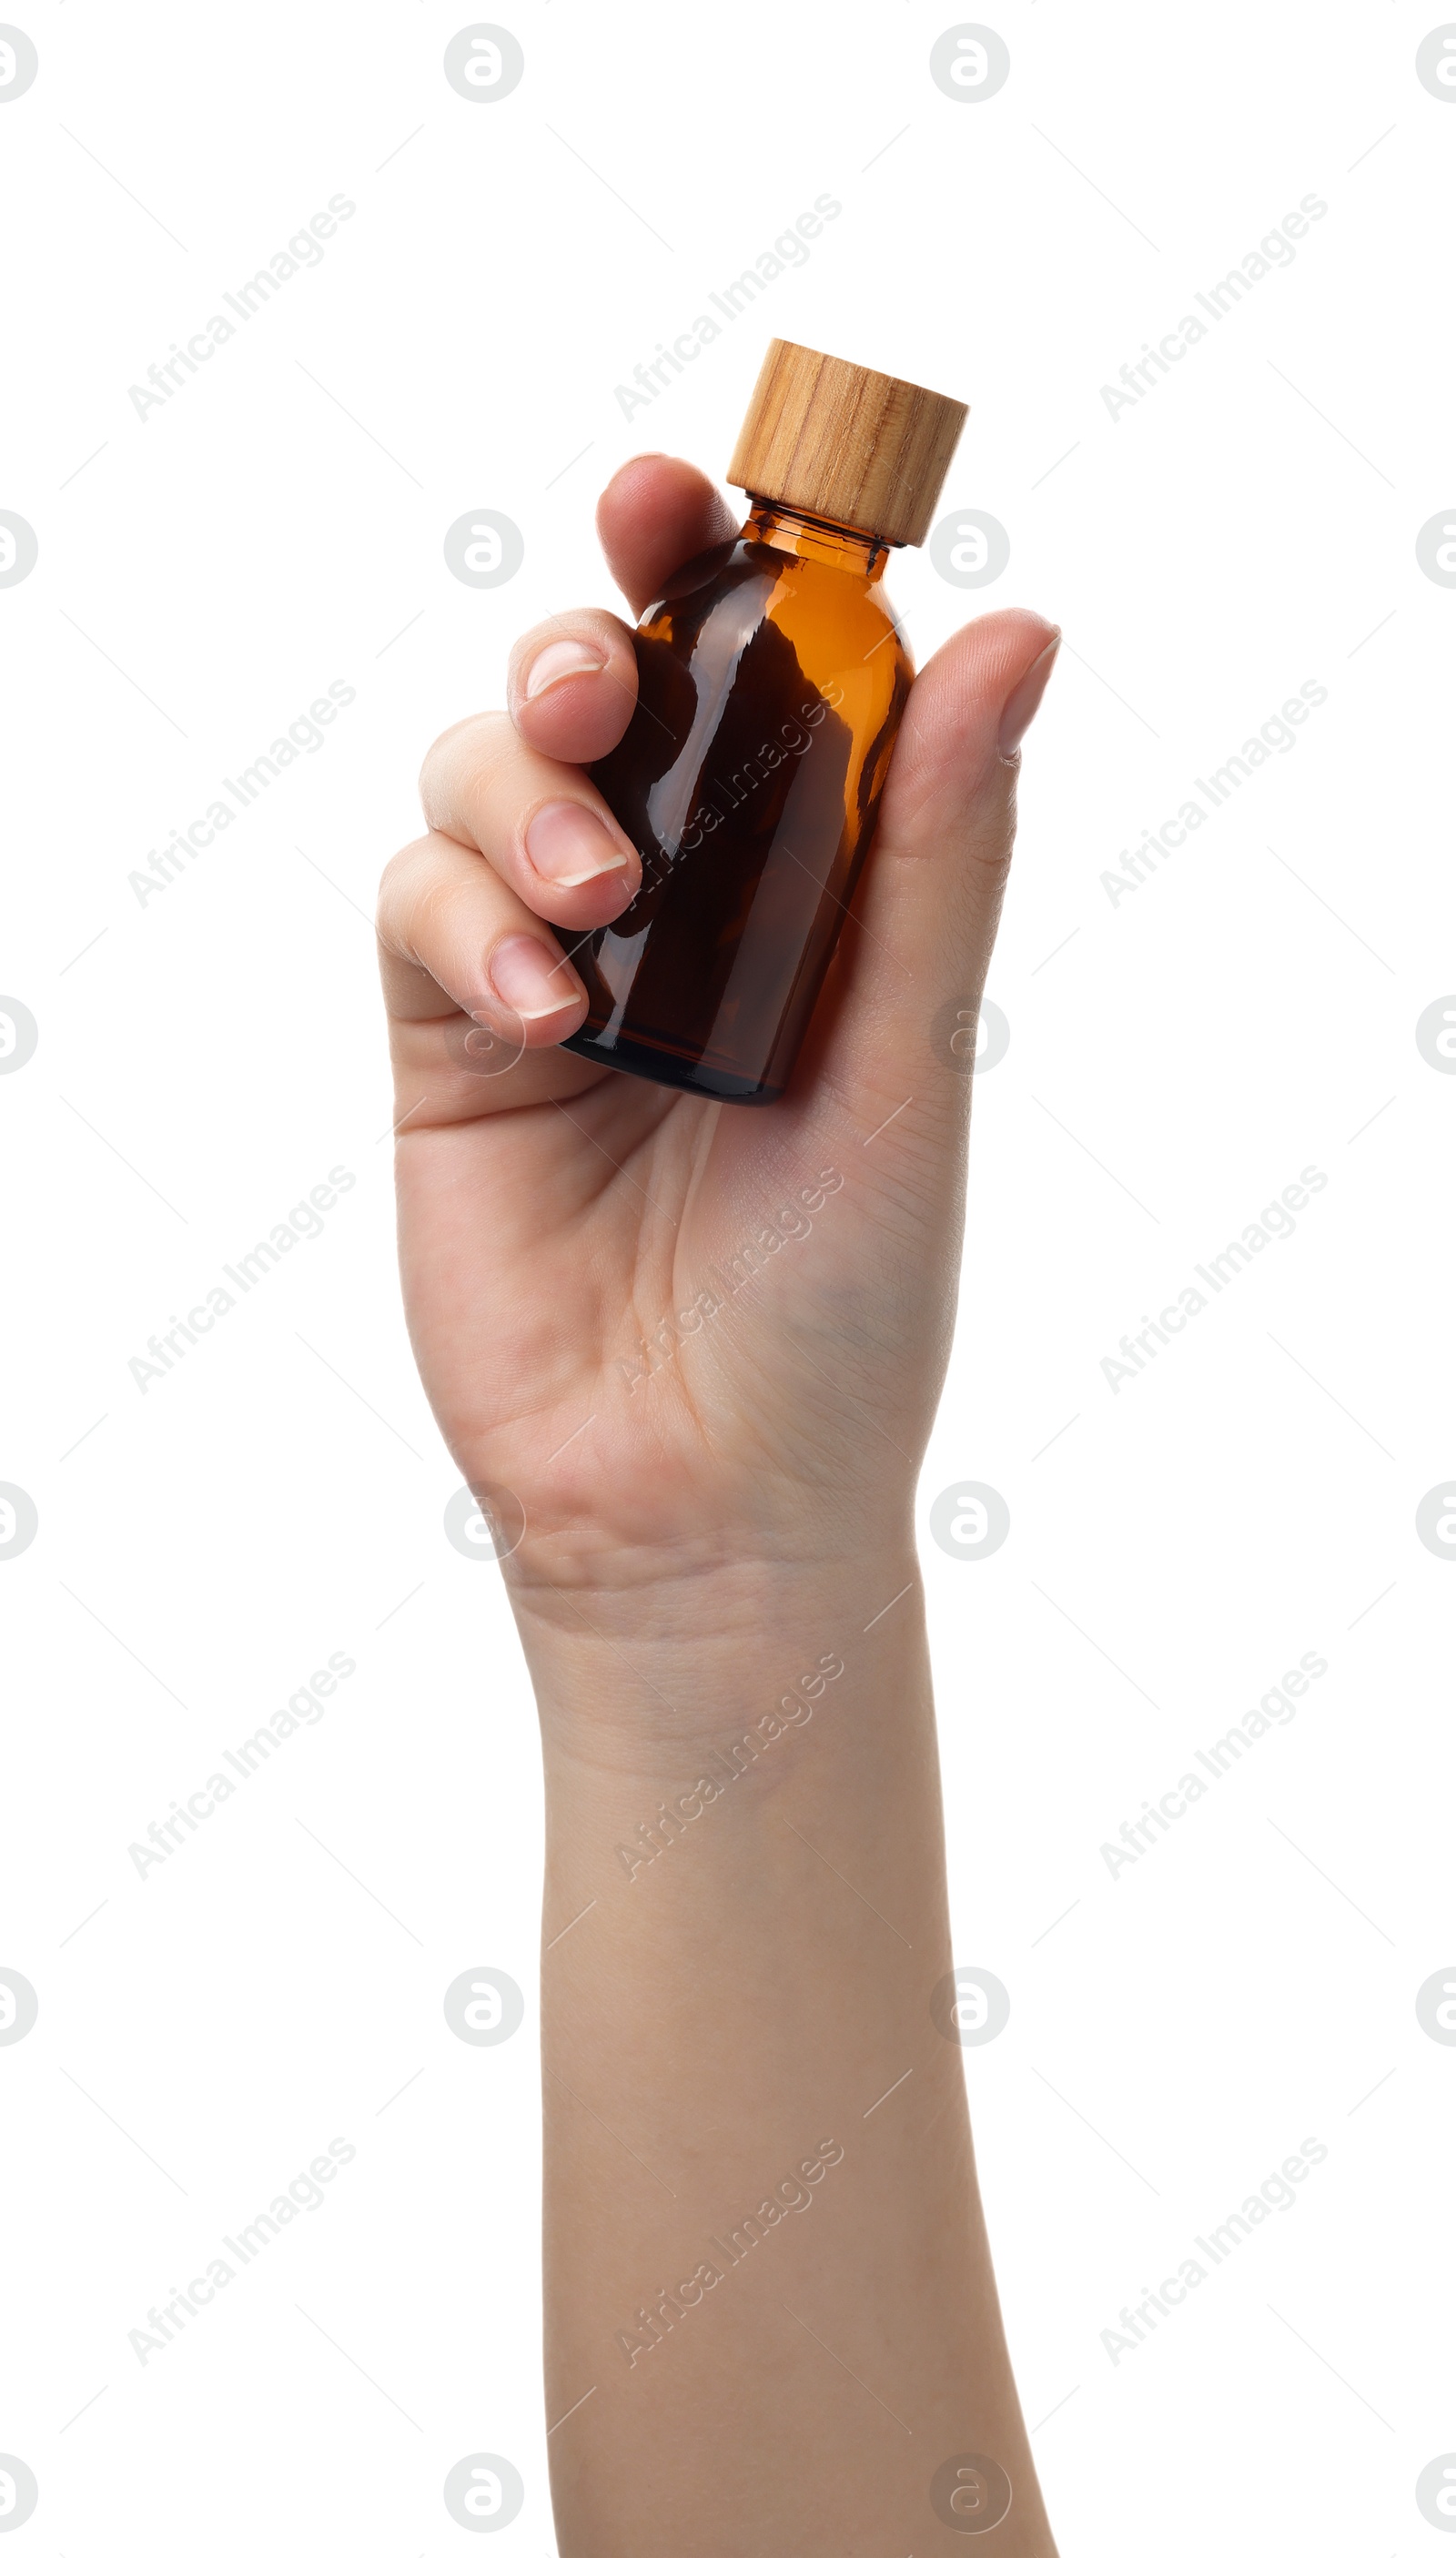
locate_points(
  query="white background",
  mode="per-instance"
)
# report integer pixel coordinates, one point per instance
(206, 1056)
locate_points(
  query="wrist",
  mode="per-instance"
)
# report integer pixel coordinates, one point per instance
(708, 1762)
(636, 1679)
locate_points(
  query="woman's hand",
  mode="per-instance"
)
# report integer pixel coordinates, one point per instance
(690, 1355)
(663, 1336)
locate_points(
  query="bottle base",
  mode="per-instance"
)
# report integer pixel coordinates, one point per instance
(657, 1066)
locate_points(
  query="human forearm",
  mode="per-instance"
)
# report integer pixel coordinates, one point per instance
(745, 1806)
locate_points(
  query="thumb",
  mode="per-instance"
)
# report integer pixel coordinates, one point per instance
(921, 929)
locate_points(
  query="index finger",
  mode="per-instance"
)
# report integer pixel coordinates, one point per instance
(572, 683)
(657, 515)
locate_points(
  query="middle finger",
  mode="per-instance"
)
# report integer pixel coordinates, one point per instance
(539, 825)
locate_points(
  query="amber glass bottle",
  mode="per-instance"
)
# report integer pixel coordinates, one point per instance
(772, 678)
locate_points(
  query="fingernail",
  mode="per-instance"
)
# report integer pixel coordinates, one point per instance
(1025, 702)
(563, 657)
(566, 845)
(528, 981)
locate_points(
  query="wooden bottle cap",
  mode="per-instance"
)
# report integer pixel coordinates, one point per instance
(834, 439)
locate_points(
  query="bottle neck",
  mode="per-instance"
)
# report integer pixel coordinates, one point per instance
(843, 546)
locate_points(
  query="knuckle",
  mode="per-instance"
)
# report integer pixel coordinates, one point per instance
(398, 893)
(459, 761)
(437, 898)
(392, 872)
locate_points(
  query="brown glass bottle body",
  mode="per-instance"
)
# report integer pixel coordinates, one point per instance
(771, 684)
